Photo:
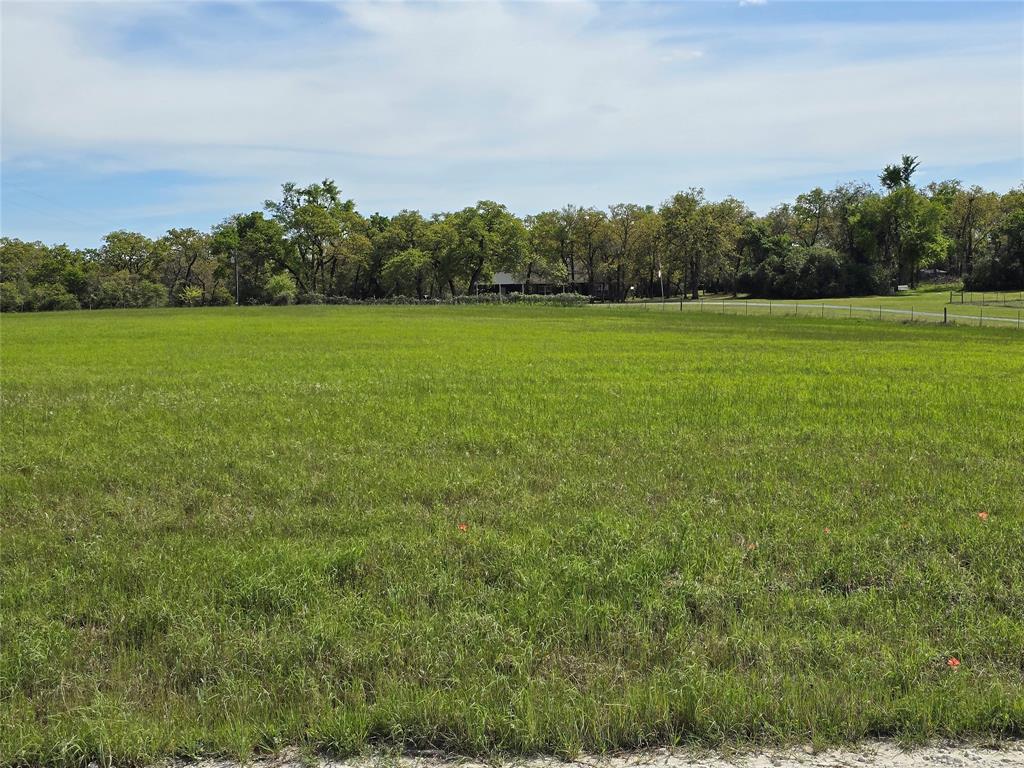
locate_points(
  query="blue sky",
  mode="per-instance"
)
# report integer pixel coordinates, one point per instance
(147, 116)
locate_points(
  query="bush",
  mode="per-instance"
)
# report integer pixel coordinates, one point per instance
(221, 297)
(191, 295)
(51, 297)
(281, 288)
(555, 299)
(991, 273)
(149, 294)
(11, 298)
(122, 289)
(797, 273)
(311, 298)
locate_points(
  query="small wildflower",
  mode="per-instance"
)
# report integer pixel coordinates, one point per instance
(952, 662)
(463, 527)
(828, 531)
(983, 516)
(752, 546)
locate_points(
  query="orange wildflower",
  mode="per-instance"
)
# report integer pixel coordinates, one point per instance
(463, 527)
(953, 662)
(983, 516)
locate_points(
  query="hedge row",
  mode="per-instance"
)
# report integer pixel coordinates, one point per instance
(554, 299)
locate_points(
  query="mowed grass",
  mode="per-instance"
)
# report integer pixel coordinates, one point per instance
(231, 530)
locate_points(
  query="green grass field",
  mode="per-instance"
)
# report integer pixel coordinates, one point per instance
(503, 529)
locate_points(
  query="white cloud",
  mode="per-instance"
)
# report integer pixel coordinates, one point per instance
(431, 87)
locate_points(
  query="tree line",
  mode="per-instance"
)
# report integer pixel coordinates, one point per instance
(313, 245)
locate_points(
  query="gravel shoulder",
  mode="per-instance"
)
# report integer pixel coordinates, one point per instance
(880, 754)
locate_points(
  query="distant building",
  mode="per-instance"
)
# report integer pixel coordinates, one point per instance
(506, 282)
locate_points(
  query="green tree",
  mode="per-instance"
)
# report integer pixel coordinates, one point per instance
(899, 175)
(324, 234)
(257, 244)
(489, 239)
(130, 252)
(182, 250)
(593, 244)
(407, 273)
(969, 216)
(698, 236)
(626, 241)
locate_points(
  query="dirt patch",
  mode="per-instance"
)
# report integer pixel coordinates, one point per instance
(881, 754)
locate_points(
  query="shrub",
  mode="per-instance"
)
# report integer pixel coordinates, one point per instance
(191, 295)
(556, 299)
(990, 273)
(221, 297)
(11, 298)
(122, 289)
(49, 296)
(281, 288)
(149, 294)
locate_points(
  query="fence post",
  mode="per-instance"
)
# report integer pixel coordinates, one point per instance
(702, 305)
(769, 307)
(945, 318)
(796, 308)
(746, 307)
(879, 311)
(822, 310)
(851, 310)
(981, 313)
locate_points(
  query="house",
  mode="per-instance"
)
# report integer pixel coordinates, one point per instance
(507, 282)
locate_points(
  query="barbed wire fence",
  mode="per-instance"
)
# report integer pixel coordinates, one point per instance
(1010, 299)
(770, 308)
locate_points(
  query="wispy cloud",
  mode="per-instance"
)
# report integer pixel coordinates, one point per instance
(435, 104)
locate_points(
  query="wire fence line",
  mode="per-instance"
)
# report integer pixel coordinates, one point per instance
(988, 298)
(792, 309)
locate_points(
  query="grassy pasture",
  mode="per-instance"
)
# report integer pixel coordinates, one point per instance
(503, 529)
(928, 301)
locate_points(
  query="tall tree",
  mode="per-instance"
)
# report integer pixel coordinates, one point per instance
(256, 245)
(489, 239)
(182, 250)
(130, 252)
(592, 238)
(324, 233)
(898, 175)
